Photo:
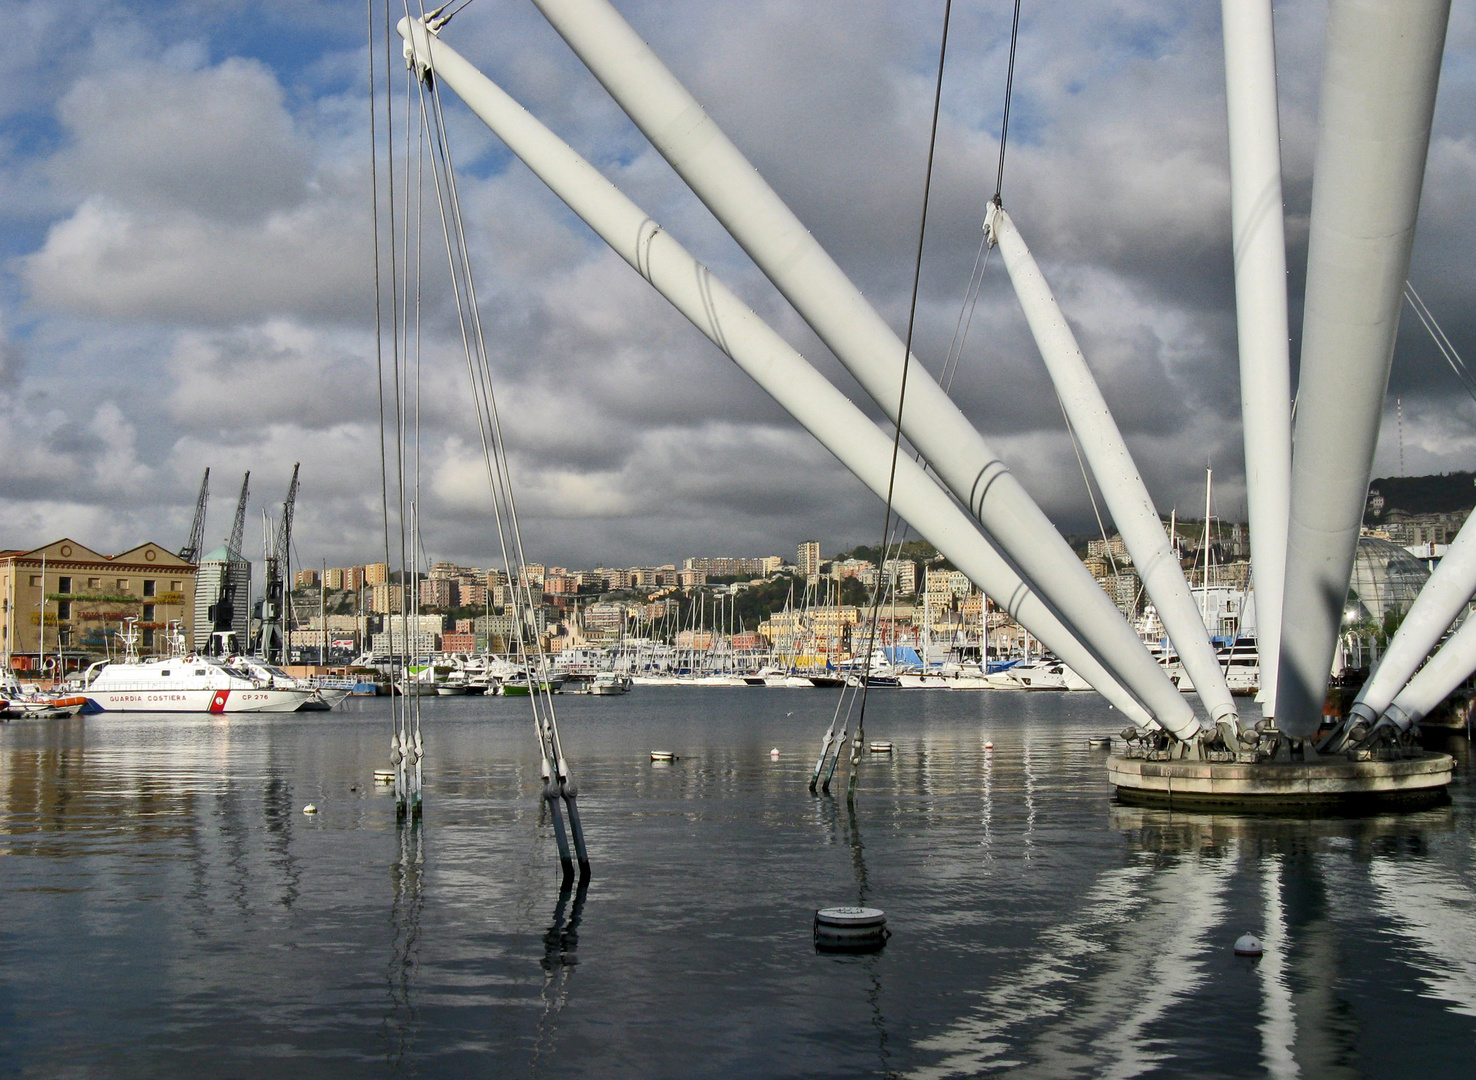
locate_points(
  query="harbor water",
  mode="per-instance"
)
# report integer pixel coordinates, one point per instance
(167, 909)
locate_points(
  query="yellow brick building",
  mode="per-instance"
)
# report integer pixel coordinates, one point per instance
(66, 600)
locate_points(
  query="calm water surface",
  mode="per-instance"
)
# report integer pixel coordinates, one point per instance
(166, 909)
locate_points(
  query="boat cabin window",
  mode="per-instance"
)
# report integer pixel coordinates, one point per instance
(199, 671)
(165, 673)
(148, 586)
(64, 584)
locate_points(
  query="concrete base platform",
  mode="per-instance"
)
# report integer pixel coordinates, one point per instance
(1332, 784)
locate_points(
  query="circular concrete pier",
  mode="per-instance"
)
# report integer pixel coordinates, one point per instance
(1327, 784)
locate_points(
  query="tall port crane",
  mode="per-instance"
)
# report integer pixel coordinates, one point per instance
(271, 644)
(222, 613)
(190, 553)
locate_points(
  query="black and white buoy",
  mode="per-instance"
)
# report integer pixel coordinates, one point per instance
(1247, 945)
(850, 929)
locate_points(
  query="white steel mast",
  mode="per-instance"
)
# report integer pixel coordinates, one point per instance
(1380, 75)
(1258, 229)
(1113, 468)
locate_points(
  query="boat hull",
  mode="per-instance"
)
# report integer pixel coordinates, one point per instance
(197, 701)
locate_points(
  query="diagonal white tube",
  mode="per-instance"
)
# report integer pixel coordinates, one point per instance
(799, 267)
(765, 356)
(1379, 79)
(1448, 591)
(1112, 464)
(1258, 227)
(1447, 669)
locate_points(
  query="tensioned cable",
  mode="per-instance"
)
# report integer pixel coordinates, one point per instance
(1070, 431)
(1004, 127)
(1443, 343)
(902, 389)
(397, 739)
(966, 313)
(496, 459)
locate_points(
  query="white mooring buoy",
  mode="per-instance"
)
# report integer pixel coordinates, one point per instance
(662, 755)
(880, 748)
(384, 776)
(1247, 945)
(850, 929)
(774, 753)
(989, 746)
(309, 809)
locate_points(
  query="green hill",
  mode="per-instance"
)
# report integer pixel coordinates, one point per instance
(1437, 494)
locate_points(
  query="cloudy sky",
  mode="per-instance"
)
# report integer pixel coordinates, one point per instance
(188, 265)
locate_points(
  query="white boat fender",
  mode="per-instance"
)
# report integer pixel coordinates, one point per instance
(309, 809)
(1247, 945)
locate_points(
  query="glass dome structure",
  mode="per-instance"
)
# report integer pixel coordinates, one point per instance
(1386, 578)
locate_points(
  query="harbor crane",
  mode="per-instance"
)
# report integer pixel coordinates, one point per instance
(222, 613)
(271, 644)
(190, 553)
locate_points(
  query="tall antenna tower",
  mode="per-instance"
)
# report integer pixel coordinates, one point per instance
(1399, 412)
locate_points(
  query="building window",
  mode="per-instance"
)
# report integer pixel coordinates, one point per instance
(149, 642)
(148, 613)
(174, 586)
(148, 586)
(122, 584)
(63, 609)
(65, 638)
(35, 579)
(94, 583)
(64, 584)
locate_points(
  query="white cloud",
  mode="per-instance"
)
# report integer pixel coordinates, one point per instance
(192, 285)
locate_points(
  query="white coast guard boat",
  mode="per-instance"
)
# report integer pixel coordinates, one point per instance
(196, 684)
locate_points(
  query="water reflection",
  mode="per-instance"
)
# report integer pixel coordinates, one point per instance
(163, 893)
(560, 957)
(1115, 982)
(401, 1020)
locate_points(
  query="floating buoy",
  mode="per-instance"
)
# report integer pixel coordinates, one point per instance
(880, 748)
(662, 755)
(1247, 945)
(309, 809)
(989, 746)
(850, 929)
(384, 776)
(774, 753)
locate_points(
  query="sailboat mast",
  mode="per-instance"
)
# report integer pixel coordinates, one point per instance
(1209, 475)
